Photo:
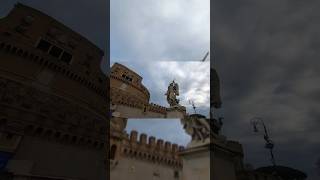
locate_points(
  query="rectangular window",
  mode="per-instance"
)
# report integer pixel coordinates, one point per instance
(44, 45)
(55, 51)
(66, 57)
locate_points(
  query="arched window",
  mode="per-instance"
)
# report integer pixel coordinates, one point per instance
(113, 151)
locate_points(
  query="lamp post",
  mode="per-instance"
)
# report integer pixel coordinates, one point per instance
(269, 144)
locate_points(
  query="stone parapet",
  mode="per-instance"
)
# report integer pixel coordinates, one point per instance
(154, 150)
(157, 108)
(118, 97)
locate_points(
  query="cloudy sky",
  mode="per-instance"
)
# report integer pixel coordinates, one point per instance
(150, 30)
(267, 55)
(164, 41)
(194, 85)
(161, 129)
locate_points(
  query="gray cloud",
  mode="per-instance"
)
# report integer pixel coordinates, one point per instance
(159, 30)
(266, 55)
(145, 32)
(192, 77)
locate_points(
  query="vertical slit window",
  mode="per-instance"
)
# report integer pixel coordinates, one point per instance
(44, 45)
(66, 57)
(55, 51)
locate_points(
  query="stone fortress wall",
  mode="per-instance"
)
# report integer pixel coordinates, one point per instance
(144, 157)
(155, 150)
(134, 156)
(53, 99)
(132, 98)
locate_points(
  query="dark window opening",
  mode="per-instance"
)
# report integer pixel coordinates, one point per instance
(44, 45)
(55, 51)
(9, 136)
(39, 131)
(156, 174)
(3, 122)
(256, 177)
(74, 139)
(48, 133)
(176, 174)
(57, 134)
(66, 57)
(113, 152)
(29, 129)
(127, 77)
(7, 34)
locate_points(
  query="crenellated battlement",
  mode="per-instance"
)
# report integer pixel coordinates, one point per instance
(152, 149)
(157, 108)
(121, 98)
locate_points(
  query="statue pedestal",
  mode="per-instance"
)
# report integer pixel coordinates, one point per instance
(196, 163)
(218, 159)
(176, 112)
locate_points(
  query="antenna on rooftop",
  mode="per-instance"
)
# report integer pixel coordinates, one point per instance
(205, 57)
(193, 106)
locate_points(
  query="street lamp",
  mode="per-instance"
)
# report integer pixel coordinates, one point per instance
(269, 144)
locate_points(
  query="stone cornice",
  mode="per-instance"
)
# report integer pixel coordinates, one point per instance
(46, 61)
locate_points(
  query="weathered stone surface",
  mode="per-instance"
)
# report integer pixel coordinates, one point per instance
(53, 118)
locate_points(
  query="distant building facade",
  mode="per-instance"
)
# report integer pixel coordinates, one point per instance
(53, 100)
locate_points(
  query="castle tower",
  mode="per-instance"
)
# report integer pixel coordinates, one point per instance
(131, 97)
(53, 99)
